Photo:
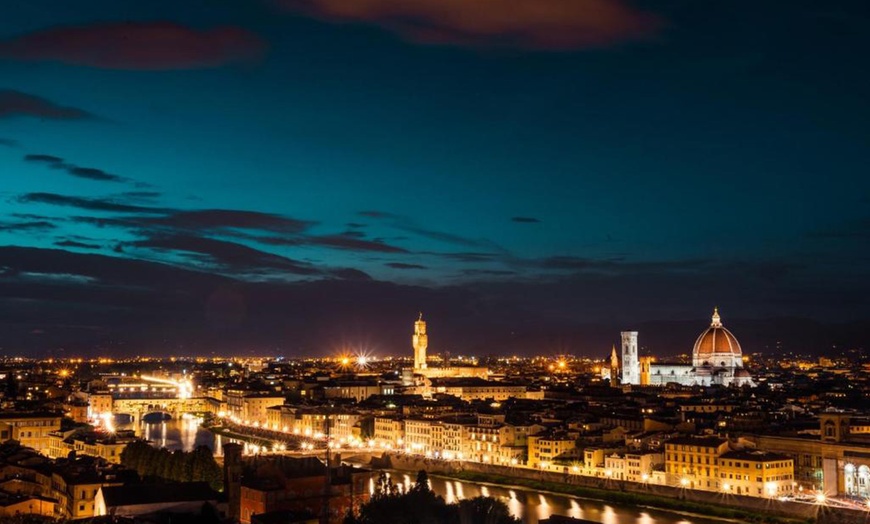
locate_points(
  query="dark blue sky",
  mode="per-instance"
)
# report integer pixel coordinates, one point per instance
(291, 175)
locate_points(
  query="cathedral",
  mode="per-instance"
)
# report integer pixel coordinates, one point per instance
(717, 359)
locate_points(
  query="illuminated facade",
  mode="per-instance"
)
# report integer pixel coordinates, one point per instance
(420, 341)
(30, 429)
(756, 473)
(421, 371)
(717, 359)
(692, 462)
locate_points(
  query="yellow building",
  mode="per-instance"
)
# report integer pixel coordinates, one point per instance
(692, 462)
(107, 447)
(547, 447)
(475, 388)
(756, 473)
(99, 403)
(255, 406)
(389, 432)
(30, 429)
(423, 436)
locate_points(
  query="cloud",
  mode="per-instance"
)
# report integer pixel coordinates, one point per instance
(402, 265)
(537, 24)
(228, 256)
(525, 220)
(353, 244)
(218, 219)
(48, 159)
(77, 244)
(91, 204)
(149, 46)
(92, 173)
(35, 225)
(470, 256)
(8, 142)
(88, 173)
(15, 103)
(375, 214)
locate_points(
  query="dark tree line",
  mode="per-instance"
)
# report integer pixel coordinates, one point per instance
(419, 505)
(175, 466)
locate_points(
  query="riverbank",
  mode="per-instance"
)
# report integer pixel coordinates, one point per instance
(225, 432)
(680, 506)
(668, 498)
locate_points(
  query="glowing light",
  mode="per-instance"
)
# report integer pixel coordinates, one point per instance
(821, 498)
(684, 481)
(644, 477)
(108, 421)
(726, 487)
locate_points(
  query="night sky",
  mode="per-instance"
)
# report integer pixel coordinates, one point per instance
(302, 176)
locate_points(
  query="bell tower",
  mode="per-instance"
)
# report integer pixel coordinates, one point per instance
(630, 362)
(420, 341)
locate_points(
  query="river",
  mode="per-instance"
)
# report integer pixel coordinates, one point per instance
(532, 506)
(186, 433)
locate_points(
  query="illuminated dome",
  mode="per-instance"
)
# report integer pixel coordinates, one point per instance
(717, 347)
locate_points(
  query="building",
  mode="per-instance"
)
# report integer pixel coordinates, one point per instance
(421, 369)
(420, 341)
(547, 447)
(756, 473)
(836, 463)
(105, 446)
(693, 462)
(630, 362)
(298, 485)
(424, 436)
(389, 432)
(31, 429)
(717, 359)
(129, 501)
(475, 388)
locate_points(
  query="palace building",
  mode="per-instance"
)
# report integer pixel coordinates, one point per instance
(717, 359)
(423, 373)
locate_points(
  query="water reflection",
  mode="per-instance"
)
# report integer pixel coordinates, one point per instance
(185, 434)
(531, 507)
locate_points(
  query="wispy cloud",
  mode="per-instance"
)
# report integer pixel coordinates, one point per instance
(16, 103)
(136, 45)
(538, 24)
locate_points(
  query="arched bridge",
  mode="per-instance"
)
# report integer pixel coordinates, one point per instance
(139, 407)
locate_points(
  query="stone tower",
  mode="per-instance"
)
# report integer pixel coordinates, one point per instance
(233, 480)
(420, 341)
(630, 363)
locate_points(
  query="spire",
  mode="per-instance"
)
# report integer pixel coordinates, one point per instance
(717, 321)
(420, 317)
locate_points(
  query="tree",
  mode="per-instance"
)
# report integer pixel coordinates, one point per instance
(483, 510)
(422, 483)
(420, 505)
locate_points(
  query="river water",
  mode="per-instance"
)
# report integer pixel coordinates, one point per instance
(531, 506)
(186, 434)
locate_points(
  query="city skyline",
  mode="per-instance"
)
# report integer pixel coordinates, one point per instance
(287, 177)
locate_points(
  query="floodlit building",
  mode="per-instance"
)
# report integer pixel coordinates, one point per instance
(756, 473)
(717, 359)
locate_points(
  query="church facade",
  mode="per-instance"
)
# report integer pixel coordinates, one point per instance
(717, 359)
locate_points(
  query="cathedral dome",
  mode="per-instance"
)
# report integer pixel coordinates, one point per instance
(717, 346)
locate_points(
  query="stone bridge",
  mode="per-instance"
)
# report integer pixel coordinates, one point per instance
(139, 407)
